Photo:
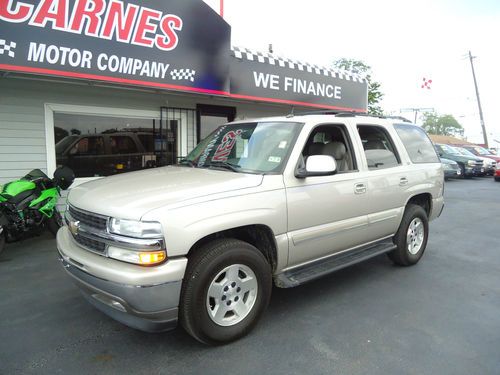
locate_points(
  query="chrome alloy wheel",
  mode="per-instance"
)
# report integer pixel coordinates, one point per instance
(232, 295)
(415, 236)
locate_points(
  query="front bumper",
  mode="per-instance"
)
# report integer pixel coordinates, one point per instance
(129, 296)
(452, 173)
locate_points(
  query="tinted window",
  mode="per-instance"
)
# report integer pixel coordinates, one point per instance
(88, 146)
(417, 144)
(122, 145)
(379, 149)
(147, 142)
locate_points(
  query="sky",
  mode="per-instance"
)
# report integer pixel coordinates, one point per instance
(403, 42)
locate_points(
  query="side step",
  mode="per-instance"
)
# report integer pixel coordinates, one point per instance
(314, 270)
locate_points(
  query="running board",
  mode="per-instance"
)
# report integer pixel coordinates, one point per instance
(311, 271)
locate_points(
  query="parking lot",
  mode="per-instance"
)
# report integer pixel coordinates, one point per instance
(439, 317)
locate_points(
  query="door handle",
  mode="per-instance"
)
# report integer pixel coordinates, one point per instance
(403, 181)
(359, 188)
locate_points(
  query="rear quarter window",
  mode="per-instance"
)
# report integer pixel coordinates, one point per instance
(417, 144)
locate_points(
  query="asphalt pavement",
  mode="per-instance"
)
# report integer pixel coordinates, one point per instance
(441, 316)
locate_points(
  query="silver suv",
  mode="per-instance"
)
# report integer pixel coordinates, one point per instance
(283, 200)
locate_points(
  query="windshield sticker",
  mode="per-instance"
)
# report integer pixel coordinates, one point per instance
(282, 144)
(203, 158)
(274, 159)
(228, 142)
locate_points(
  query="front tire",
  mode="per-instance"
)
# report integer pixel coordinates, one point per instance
(226, 289)
(55, 222)
(411, 237)
(2, 241)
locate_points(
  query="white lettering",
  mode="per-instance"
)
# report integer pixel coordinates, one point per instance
(36, 52)
(100, 64)
(261, 79)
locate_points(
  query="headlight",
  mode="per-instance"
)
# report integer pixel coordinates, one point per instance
(137, 229)
(143, 258)
(471, 163)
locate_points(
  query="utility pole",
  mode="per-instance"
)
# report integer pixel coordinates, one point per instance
(485, 136)
(417, 111)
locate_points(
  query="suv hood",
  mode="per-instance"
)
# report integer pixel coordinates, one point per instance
(131, 195)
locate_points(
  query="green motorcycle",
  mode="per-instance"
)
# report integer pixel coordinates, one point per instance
(28, 205)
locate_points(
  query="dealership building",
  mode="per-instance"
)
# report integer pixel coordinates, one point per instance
(109, 86)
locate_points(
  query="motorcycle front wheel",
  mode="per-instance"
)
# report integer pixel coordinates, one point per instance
(55, 222)
(2, 242)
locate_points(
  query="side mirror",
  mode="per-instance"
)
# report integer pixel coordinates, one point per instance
(318, 165)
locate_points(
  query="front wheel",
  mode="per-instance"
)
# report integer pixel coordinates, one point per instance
(55, 222)
(227, 287)
(411, 237)
(2, 241)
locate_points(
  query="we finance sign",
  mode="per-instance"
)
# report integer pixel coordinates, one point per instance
(172, 44)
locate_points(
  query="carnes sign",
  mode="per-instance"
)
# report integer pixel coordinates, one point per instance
(151, 43)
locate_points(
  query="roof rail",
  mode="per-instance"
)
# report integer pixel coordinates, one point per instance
(346, 114)
(327, 112)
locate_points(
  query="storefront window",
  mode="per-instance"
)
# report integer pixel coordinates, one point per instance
(96, 145)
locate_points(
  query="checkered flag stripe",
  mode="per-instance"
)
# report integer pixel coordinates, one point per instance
(7, 48)
(267, 58)
(181, 74)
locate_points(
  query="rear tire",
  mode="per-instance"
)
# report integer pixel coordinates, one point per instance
(55, 222)
(411, 237)
(226, 289)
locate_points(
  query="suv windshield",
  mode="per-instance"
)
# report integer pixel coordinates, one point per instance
(465, 152)
(64, 143)
(481, 150)
(256, 147)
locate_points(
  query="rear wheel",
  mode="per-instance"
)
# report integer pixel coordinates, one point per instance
(55, 222)
(411, 237)
(227, 287)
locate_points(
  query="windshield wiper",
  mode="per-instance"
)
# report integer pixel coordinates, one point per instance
(225, 165)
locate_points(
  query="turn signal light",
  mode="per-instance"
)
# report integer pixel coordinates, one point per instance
(151, 257)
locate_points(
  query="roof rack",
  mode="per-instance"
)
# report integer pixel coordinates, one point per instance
(346, 114)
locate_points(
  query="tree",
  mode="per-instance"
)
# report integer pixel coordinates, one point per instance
(358, 67)
(442, 125)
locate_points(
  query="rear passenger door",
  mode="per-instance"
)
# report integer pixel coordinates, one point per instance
(387, 179)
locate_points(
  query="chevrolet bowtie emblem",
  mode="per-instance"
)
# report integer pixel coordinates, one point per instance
(73, 227)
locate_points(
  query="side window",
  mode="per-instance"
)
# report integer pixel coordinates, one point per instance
(379, 149)
(122, 145)
(417, 144)
(147, 142)
(332, 140)
(88, 146)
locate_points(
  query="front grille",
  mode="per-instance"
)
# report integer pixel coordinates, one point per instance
(90, 244)
(89, 219)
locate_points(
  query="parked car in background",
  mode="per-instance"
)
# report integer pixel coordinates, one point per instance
(106, 154)
(489, 165)
(497, 173)
(469, 166)
(481, 151)
(451, 169)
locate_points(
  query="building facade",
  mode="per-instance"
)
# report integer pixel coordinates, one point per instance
(107, 87)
